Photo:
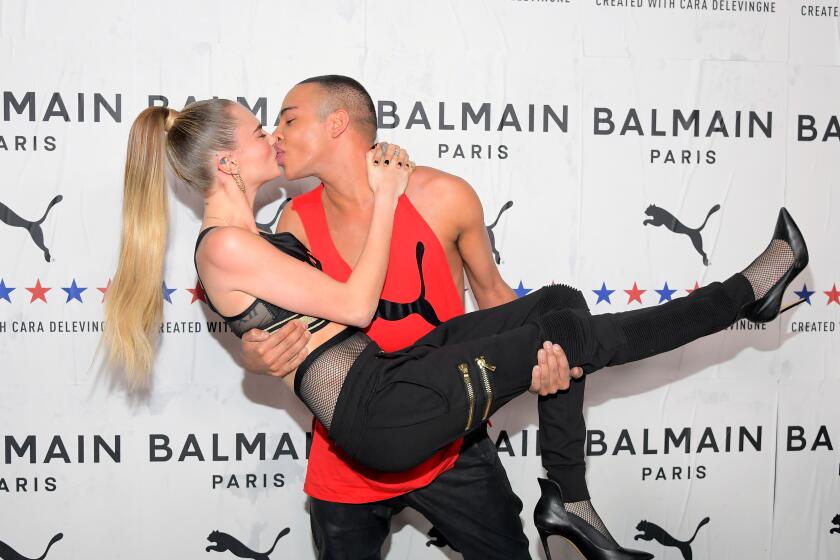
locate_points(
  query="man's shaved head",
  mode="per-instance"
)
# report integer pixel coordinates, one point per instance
(342, 92)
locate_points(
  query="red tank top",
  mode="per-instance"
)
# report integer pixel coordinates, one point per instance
(331, 475)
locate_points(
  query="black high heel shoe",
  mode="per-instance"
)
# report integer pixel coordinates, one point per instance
(551, 518)
(768, 307)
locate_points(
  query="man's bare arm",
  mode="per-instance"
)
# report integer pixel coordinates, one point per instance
(551, 372)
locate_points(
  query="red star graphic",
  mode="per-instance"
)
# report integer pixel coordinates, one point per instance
(696, 286)
(105, 289)
(38, 292)
(833, 295)
(635, 294)
(197, 293)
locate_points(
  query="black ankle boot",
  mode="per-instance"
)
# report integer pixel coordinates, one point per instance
(551, 518)
(768, 307)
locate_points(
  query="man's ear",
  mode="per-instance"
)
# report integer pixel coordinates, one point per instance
(338, 121)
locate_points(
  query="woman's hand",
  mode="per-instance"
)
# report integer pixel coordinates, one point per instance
(388, 169)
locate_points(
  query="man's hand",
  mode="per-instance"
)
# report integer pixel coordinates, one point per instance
(278, 353)
(552, 373)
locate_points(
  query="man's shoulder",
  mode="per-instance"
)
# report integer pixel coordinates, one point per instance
(430, 184)
(447, 202)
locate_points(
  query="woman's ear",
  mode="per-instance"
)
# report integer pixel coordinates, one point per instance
(226, 164)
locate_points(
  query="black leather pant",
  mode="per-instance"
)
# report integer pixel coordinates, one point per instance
(396, 409)
(471, 505)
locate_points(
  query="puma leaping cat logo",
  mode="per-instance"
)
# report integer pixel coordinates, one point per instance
(8, 217)
(224, 542)
(661, 217)
(8, 553)
(496, 254)
(437, 539)
(393, 311)
(269, 226)
(836, 521)
(651, 531)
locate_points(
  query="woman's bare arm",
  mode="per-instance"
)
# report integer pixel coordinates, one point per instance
(237, 260)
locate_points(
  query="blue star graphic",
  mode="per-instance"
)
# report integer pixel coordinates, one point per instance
(521, 290)
(167, 292)
(74, 292)
(4, 291)
(603, 294)
(665, 293)
(805, 294)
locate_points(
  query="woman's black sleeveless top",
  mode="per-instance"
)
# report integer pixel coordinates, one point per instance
(262, 314)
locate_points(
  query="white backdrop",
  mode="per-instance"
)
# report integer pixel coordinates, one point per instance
(760, 404)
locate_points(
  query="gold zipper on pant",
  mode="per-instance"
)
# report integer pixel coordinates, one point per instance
(464, 370)
(484, 366)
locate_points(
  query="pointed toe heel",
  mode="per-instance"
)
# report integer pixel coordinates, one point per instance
(769, 307)
(552, 519)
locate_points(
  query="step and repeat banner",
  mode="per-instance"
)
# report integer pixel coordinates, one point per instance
(634, 149)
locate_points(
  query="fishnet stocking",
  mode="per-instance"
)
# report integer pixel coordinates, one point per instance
(323, 379)
(770, 265)
(586, 511)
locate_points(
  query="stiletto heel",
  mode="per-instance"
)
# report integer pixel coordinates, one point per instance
(792, 305)
(767, 308)
(544, 539)
(551, 518)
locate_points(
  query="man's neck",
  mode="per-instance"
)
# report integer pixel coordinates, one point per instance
(346, 185)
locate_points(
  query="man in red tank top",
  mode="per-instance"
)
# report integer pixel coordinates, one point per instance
(326, 126)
